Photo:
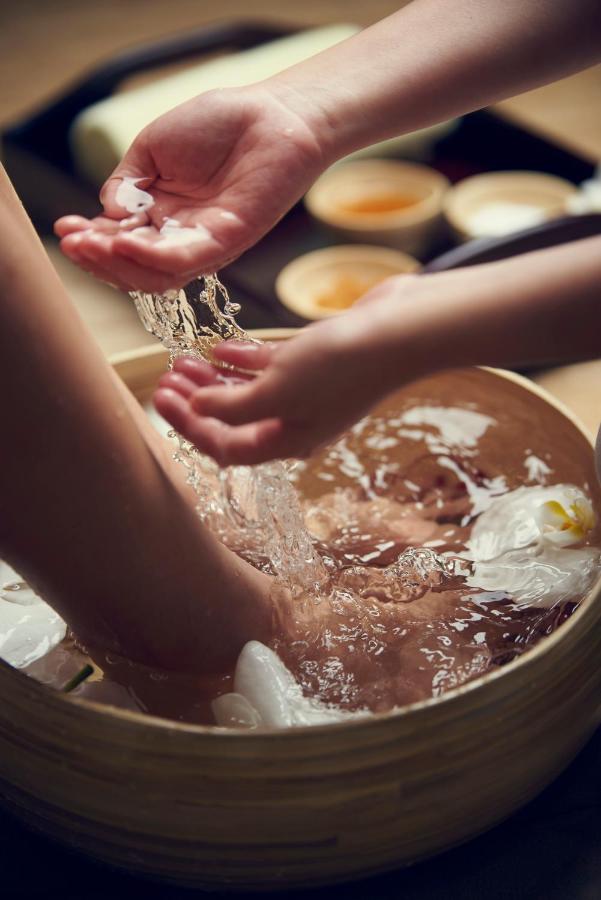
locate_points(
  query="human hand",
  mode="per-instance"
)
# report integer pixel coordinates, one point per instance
(303, 392)
(225, 166)
(534, 308)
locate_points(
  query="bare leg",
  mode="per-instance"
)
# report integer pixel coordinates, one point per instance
(92, 510)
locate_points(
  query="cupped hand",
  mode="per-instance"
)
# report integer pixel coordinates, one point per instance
(295, 396)
(221, 170)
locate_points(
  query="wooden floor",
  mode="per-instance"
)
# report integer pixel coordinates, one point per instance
(45, 44)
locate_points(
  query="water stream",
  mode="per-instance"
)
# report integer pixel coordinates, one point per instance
(255, 509)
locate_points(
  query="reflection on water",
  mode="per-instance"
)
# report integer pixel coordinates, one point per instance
(448, 545)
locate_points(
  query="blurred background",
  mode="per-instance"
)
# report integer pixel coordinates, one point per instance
(45, 44)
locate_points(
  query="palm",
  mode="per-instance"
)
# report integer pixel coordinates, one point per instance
(226, 166)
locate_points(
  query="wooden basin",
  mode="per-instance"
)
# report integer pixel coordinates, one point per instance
(264, 810)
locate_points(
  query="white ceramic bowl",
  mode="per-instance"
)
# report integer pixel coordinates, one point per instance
(500, 203)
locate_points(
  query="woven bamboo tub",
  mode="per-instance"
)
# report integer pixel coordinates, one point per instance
(265, 810)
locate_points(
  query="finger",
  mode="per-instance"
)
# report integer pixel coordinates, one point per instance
(245, 445)
(93, 252)
(138, 168)
(104, 225)
(203, 373)
(97, 247)
(112, 277)
(175, 381)
(199, 372)
(189, 251)
(236, 405)
(244, 354)
(203, 433)
(249, 444)
(71, 251)
(78, 224)
(195, 238)
(173, 407)
(70, 224)
(74, 224)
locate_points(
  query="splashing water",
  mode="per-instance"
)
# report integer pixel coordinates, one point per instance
(190, 321)
(255, 510)
(446, 555)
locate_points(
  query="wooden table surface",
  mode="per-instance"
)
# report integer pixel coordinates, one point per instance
(44, 45)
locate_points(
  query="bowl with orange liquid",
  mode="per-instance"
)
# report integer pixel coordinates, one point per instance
(390, 202)
(329, 281)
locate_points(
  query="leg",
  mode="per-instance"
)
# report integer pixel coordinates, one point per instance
(92, 510)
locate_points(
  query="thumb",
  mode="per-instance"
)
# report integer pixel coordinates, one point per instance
(125, 192)
(247, 355)
(237, 405)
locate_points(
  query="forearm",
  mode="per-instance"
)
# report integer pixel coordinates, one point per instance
(90, 512)
(433, 60)
(539, 308)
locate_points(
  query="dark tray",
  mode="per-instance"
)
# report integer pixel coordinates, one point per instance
(39, 162)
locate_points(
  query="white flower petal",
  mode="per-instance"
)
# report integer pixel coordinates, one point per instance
(273, 697)
(538, 576)
(29, 628)
(518, 520)
(234, 711)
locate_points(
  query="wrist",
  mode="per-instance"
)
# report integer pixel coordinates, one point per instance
(409, 330)
(384, 338)
(322, 109)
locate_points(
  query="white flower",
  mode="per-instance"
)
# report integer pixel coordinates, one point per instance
(518, 545)
(560, 514)
(567, 524)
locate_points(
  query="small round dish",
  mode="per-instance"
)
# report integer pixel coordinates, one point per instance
(499, 203)
(329, 281)
(390, 202)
